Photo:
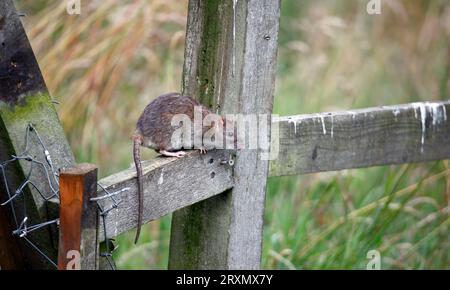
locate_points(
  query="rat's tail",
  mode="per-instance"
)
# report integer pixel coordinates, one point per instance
(137, 142)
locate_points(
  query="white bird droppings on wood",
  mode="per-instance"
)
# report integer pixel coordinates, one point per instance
(437, 113)
(396, 112)
(161, 178)
(322, 121)
(291, 121)
(332, 126)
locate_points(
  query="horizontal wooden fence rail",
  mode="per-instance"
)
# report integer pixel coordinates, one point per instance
(169, 184)
(417, 132)
(410, 133)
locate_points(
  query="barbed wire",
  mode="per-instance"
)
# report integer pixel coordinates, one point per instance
(51, 176)
(109, 245)
(22, 227)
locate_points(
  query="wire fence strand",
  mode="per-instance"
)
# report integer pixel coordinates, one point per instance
(16, 198)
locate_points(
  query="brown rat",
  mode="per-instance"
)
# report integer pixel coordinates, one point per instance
(154, 130)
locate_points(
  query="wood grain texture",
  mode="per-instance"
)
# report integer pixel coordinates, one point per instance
(417, 132)
(255, 97)
(169, 184)
(19, 71)
(24, 99)
(233, 48)
(199, 238)
(78, 218)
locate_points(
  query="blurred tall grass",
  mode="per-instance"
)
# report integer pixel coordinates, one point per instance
(106, 64)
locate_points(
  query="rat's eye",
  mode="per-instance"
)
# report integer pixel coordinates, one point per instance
(230, 134)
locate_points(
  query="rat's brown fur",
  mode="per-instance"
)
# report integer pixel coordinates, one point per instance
(154, 130)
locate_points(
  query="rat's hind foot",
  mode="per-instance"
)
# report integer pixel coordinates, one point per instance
(203, 150)
(177, 154)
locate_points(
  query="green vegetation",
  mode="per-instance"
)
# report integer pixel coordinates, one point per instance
(106, 64)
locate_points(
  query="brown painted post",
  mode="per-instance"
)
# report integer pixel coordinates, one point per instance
(78, 241)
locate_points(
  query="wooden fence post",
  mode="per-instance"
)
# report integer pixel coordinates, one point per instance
(11, 257)
(78, 235)
(24, 100)
(230, 66)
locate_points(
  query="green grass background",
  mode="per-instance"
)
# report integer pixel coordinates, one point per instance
(106, 64)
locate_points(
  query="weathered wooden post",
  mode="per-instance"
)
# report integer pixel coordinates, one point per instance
(230, 63)
(10, 255)
(78, 234)
(24, 100)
